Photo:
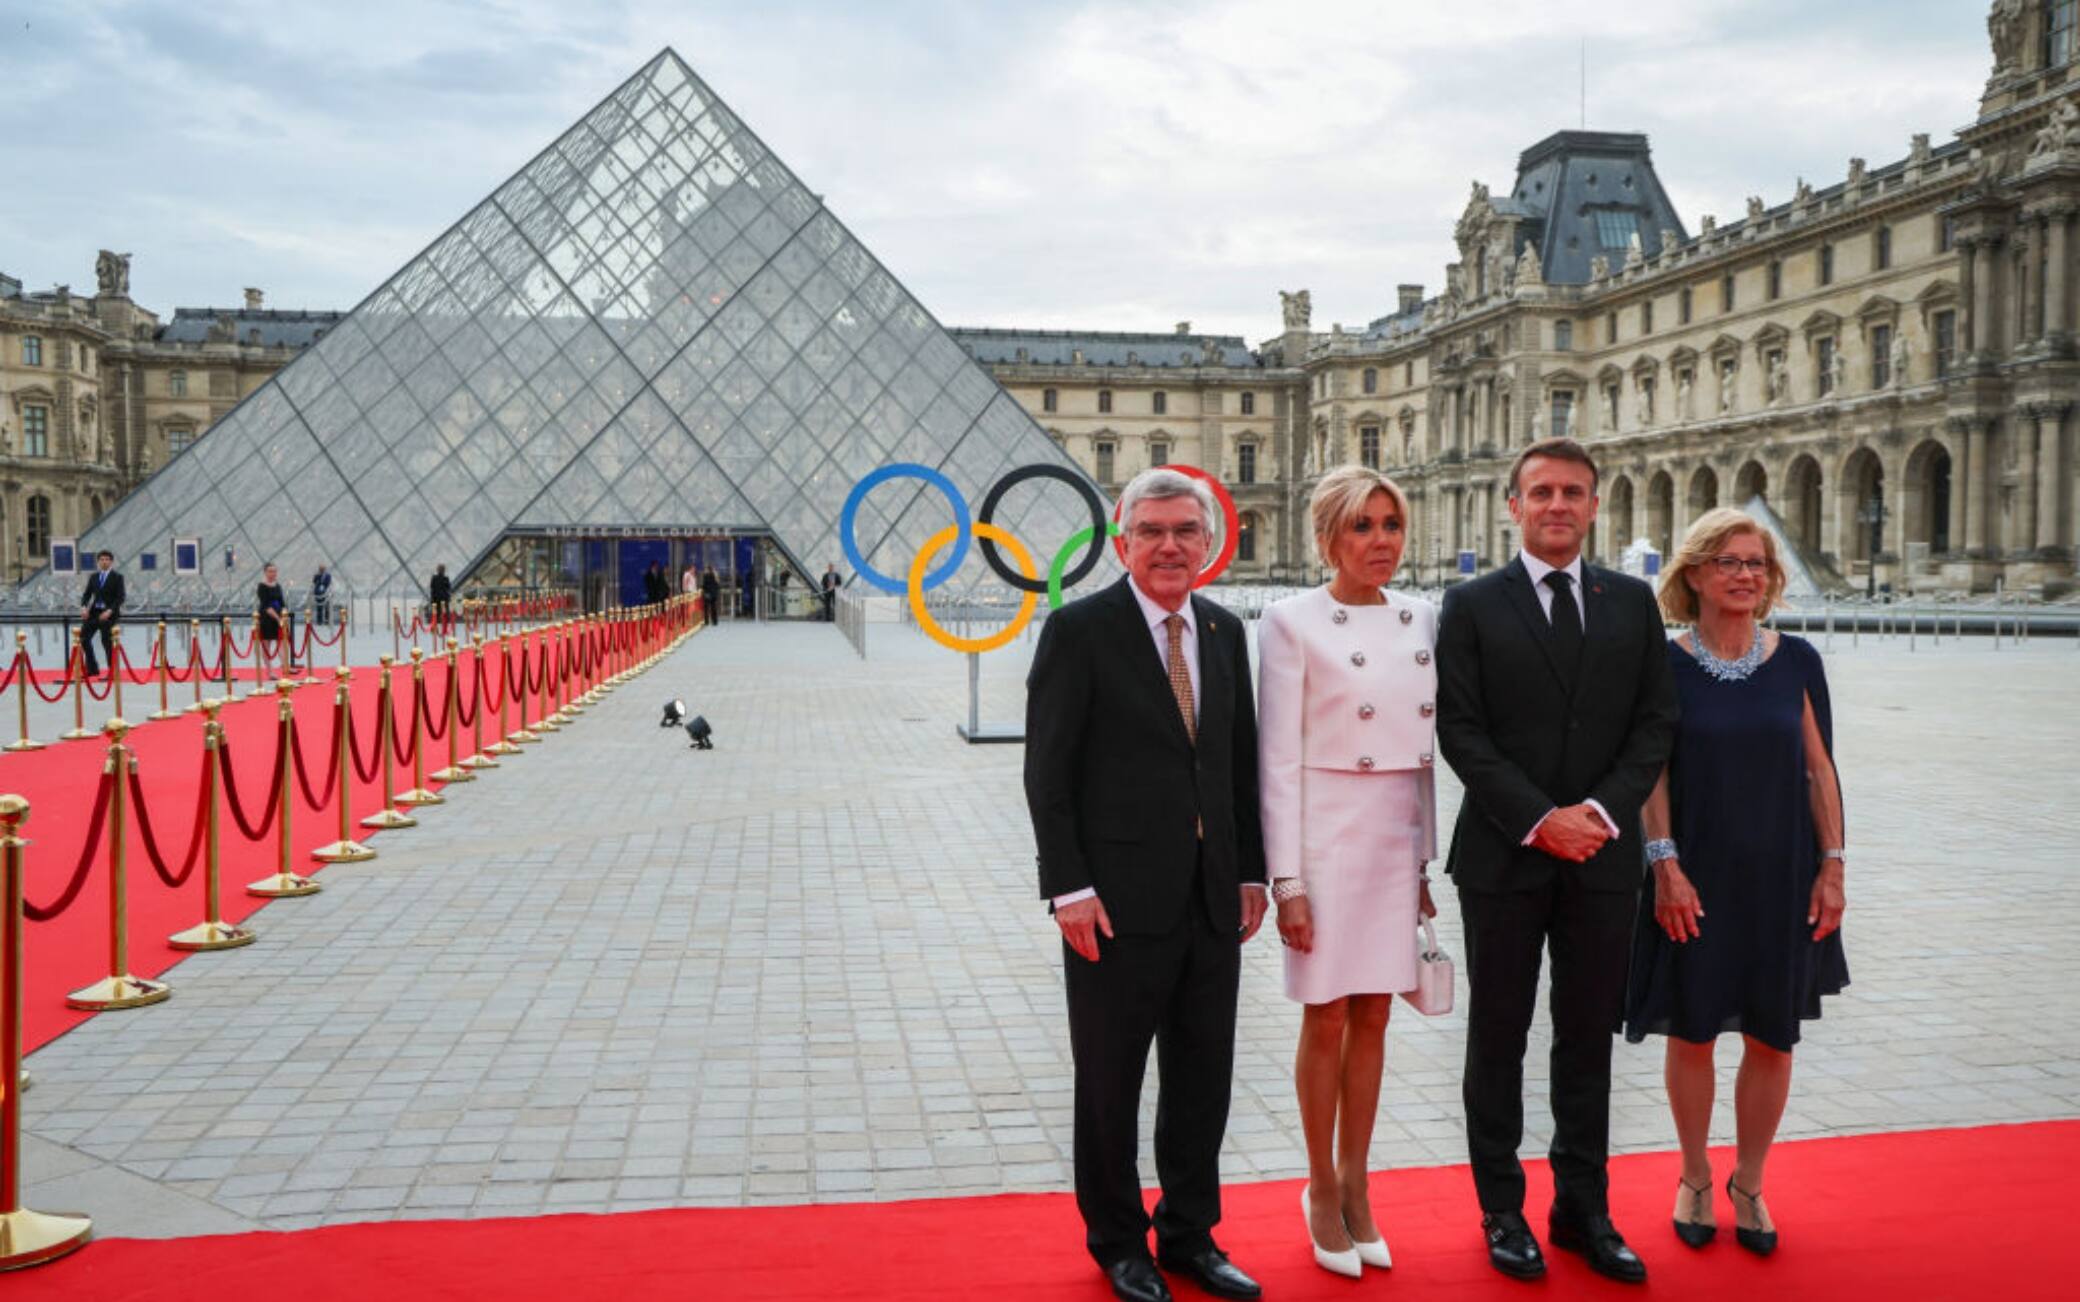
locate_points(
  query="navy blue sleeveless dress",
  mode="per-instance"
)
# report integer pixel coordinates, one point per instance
(1743, 827)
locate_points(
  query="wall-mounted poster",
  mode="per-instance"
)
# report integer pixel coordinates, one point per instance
(147, 560)
(64, 555)
(187, 556)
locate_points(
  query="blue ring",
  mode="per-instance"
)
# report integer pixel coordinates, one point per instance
(848, 520)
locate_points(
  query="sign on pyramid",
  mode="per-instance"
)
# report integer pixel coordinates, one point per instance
(653, 325)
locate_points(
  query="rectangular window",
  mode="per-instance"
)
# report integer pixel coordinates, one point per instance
(1160, 403)
(1371, 380)
(1249, 404)
(1946, 234)
(1827, 264)
(1246, 464)
(1049, 401)
(64, 354)
(2059, 20)
(177, 384)
(1945, 330)
(179, 441)
(1104, 401)
(1408, 375)
(1683, 302)
(1646, 317)
(36, 431)
(1563, 336)
(1610, 328)
(1159, 454)
(1105, 451)
(1881, 249)
(1881, 356)
(1776, 281)
(1563, 412)
(1368, 447)
(1823, 353)
(1726, 292)
(1615, 228)
(32, 351)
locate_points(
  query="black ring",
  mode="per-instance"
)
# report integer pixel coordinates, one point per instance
(1011, 480)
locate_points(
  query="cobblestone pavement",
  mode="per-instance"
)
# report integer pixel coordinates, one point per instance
(809, 964)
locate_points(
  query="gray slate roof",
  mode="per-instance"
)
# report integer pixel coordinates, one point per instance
(191, 325)
(1102, 348)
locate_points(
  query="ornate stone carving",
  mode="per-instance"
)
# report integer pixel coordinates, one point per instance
(1707, 226)
(1529, 272)
(2060, 133)
(1803, 196)
(1635, 253)
(1902, 354)
(1755, 207)
(1683, 388)
(1918, 151)
(1669, 243)
(2006, 29)
(112, 274)
(1599, 268)
(1298, 308)
(1779, 382)
(1858, 169)
(1840, 369)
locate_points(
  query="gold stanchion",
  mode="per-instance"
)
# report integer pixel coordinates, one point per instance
(419, 794)
(574, 642)
(26, 1237)
(479, 757)
(195, 665)
(24, 671)
(504, 745)
(77, 669)
(282, 882)
(119, 989)
(346, 622)
(115, 671)
(212, 932)
(525, 736)
(455, 772)
(165, 711)
(386, 723)
(224, 663)
(546, 718)
(260, 660)
(396, 633)
(346, 849)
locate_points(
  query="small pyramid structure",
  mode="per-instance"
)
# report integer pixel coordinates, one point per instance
(654, 323)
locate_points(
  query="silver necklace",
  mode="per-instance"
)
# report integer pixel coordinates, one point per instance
(1728, 671)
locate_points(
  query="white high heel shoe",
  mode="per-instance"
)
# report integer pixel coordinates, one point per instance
(1373, 1254)
(1346, 1262)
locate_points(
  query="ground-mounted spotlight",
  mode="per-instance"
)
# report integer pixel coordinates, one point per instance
(674, 714)
(703, 736)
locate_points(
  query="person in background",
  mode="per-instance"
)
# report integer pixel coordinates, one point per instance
(321, 597)
(711, 595)
(100, 609)
(269, 605)
(439, 591)
(690, 580)
(831, 583)
(1741, 930)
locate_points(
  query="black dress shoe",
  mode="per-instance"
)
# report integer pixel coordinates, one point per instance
(1511, 1249)
(1760, 1242)
(1211, 1270)
(1135, 1279)
(1599, 1243)
(1696, 1234)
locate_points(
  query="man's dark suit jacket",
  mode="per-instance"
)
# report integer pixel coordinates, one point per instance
(1523, 742)
(1116, 787)
(111, 593)
(439, 589)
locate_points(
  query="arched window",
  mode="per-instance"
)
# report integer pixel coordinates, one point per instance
(177, 383)
(38, 515)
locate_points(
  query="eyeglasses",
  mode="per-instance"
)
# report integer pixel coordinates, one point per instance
(1187, 535)
(1729, 566)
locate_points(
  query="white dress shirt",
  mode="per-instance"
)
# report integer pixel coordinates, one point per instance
(1538, 570)
(1155, 615)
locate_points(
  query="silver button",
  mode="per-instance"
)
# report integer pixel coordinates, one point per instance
(1358, 659)
(1424, 758)
(1422, 657)
(1427, 709)
(1408, 617)
(1365, 763)
(1340, 616)
(1365, 711)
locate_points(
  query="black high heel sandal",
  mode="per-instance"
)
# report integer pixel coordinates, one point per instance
(1695, 1234)
(1760, 1242)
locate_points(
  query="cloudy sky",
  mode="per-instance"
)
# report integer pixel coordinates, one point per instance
(1105, 164)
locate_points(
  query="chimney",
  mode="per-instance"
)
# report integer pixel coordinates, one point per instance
(1184, 327)
(1075, 357)
(253, 299)
(1411, 298)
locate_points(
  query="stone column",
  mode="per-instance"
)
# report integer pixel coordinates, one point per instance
(2028, 247)
(2051, 423)
(2057, 326)
(1976, 485)
(1967, 297)
(1986, 329)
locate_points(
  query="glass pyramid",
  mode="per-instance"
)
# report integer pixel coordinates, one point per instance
(654, 323)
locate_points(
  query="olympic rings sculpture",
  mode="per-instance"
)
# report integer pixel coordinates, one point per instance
(922, 578)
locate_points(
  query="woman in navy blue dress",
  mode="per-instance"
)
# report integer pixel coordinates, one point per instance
(1740, 927)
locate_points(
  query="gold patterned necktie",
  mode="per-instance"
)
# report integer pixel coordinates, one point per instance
(1181, 676)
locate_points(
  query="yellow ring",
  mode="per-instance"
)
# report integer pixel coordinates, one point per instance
(937, 543)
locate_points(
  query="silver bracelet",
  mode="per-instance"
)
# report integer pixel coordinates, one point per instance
(1842, 855)
(1288, 888)
(1661, 849)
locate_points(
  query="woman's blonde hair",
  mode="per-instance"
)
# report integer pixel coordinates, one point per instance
(1340, 498)
(1701, 543)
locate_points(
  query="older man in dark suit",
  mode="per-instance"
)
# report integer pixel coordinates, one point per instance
(1141, 776)
(1556, 706)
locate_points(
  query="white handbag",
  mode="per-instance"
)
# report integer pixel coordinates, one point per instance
(1432, 996)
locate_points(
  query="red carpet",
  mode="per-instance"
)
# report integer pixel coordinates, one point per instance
(59, 781)
(1935, 1214)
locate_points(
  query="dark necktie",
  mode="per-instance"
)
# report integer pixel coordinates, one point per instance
(1567, 620)
(1180, 675)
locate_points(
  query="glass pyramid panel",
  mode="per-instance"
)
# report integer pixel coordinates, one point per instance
(652, 323)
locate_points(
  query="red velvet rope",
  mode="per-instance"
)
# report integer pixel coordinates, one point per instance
(108, 685)
(313, 799)
(432, 733)
(467, 717)
(97, 823)
(242, 652)
(64, 684)
(14, 667)
(174, 881)
(311, 632)
(375, 753)
(274, 790)
(147, 676)
(396, 738)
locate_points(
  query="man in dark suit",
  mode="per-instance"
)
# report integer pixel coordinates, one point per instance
(1141, 777)
(438, 594)
(101, 606)
(1556, 706)
(831, 583)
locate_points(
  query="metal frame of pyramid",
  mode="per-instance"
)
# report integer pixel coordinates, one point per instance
(653, 324)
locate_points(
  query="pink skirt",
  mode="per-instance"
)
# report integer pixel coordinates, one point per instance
(1363, 839)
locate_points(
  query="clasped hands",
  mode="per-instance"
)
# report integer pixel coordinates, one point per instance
(1573, 832)
(1082, 921)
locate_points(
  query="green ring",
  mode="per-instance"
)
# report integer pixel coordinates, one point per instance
(1061, 559)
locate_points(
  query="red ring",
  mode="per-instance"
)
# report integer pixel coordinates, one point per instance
(1230, 520)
